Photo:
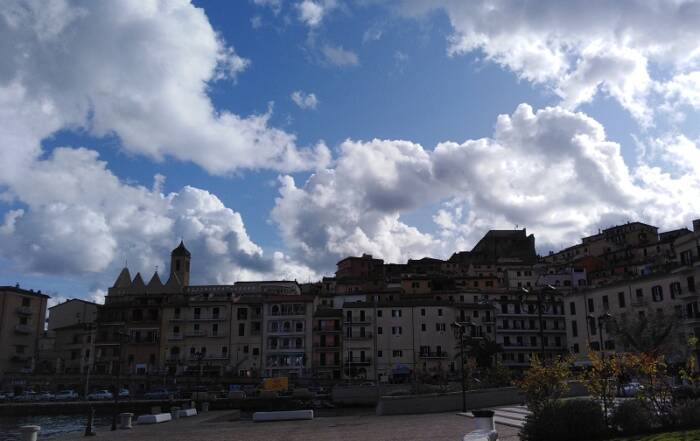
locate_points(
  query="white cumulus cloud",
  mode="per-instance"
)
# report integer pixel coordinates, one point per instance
(304, 100)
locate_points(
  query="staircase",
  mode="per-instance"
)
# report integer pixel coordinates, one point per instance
(513, 416)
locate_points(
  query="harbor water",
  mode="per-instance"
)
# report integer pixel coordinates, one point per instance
(51, 425)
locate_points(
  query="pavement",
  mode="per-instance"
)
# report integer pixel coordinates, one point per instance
(217, 426)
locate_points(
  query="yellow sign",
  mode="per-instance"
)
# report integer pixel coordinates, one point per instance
(276, 384)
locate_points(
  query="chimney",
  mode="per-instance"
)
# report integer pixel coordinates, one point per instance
(696, 225)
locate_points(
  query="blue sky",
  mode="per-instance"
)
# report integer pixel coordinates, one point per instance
(415, 74)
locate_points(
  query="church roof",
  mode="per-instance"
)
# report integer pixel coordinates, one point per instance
(181, 250)
(154, 283)
(124, 279)
(138, 283)
(173, 284)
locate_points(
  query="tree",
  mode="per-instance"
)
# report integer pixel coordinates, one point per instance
(649, 332)
(544, 383)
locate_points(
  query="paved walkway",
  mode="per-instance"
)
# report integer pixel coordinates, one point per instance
(215, 426)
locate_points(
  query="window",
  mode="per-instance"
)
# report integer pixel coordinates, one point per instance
(348, 316)
(621, 299)
(691, 284)
(379, 313)
(197, 313)
(574, 328)
(575, 348)
(657, 293)
(439, 327)
(396, 313)
(423, 327)
(533, 341)
(214, 330)
(23, 321)
(440, 312)
(362, 316)
(380, 354)
(397, 353)
(506, 341)
(241, 329)
(26, 301)
(256, 351)
(475, 314)
(675, 289)
(215, 313)
(639, 295)
(299, 326)
(606, 303)
(591, 307)
(177, 313)
(242, 313)
(396, 330)
(380, 330)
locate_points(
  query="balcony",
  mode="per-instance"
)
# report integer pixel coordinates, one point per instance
(195, 333)
(358, 361)
(23, 329)
(326, 329)
(200, 317)
(356, 322)
(20, 358)
(367, 336)
(327, 347)
(440, 355)
(24, 311)
(175, 337)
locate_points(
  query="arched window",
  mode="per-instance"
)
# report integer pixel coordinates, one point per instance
(299, 342)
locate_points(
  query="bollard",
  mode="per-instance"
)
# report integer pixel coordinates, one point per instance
(205, 406)
(484, 419)
(29, 433)
(485, 427)
(125, 420)
(175, 412)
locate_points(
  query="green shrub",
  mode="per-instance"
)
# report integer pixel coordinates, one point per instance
(565, 420)
(631, 417)
(687, 414)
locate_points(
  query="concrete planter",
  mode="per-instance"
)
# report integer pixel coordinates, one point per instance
(29, 433)
(125, 420)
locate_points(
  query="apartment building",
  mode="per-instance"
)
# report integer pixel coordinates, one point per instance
(22, 318)
(247, 335)
(197, 331)
(327, 343)
(523, 332)
(391, 341)
(287, 336)
(71, 312)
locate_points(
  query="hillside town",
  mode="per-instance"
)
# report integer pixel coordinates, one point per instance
(373, 321)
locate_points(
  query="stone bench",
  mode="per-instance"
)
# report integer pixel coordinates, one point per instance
(183, 413)
(284, 415)
(154, 419)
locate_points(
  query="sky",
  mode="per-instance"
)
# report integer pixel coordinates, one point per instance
(276, 137)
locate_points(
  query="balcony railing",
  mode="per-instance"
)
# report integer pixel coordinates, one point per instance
(176, 337)
(200, 317)
(24, 310)
(439, 354)
(367, 336)
(358, 361)
(356, 322)
(23, 329)
(193, 333)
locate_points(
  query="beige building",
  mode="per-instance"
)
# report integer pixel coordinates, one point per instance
(22, 319)
(395, 340)
(676, 293)
(247, 335)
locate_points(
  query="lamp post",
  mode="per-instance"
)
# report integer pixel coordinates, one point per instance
(91, 410)
(121, 337)
(545, 297)
(601, 320)
(459, 329)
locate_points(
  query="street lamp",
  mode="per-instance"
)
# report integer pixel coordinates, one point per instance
(545, 297)
(91, 410)
(459, 329)
(121, 337)
(601, 320)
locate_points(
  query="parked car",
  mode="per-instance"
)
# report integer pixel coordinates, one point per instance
(124, 393)
(28, 395)
(66, 395)
(6, 396)
(159, 394)
(100, 395)
(630, 389)
(45, 396)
